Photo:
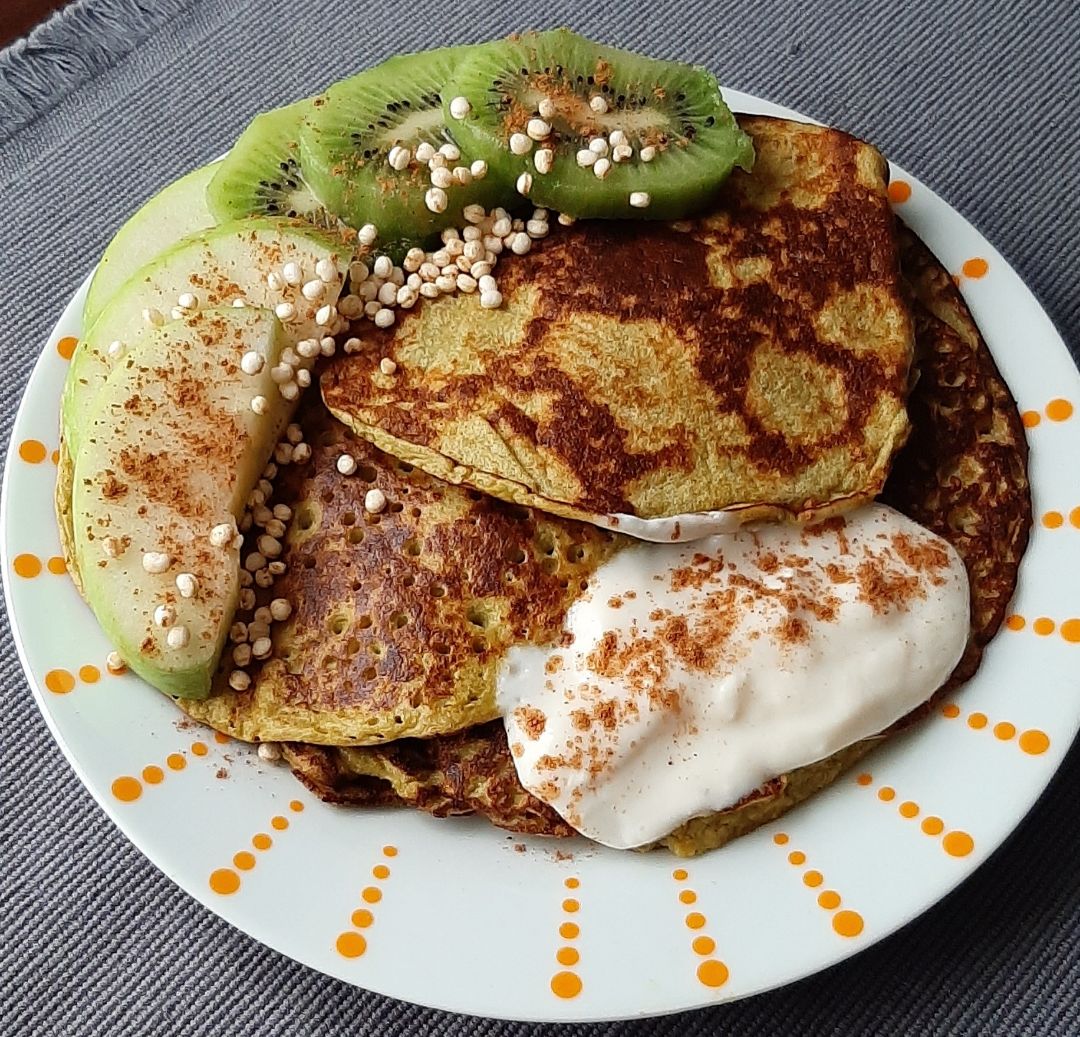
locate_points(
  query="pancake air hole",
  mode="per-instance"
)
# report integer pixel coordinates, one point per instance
(349, 518)
(438, 590)
(305, 516)
(398, 620)
(338, 623)
(355, 535)
(363, 622)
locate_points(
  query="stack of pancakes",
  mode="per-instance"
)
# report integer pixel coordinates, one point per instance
(791, 355)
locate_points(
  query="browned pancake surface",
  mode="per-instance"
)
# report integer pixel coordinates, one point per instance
(399, 617)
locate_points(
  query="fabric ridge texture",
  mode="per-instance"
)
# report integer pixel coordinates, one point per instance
(110, 99)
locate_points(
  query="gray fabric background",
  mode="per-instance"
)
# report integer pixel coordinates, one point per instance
(114, 97)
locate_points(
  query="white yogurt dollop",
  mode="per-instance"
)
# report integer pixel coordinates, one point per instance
(694, 673)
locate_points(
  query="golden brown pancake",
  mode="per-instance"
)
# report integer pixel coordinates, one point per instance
(399, 618)
(756, 359)
(962, 474)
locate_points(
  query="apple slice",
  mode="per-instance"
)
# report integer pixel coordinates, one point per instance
(218, 267)
(173, 213)
(168, 461)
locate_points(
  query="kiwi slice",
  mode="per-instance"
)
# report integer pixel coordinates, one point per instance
(593, 131)
(262, 175)
(360, 147)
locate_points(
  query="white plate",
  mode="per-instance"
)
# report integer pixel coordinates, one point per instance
(500, 917)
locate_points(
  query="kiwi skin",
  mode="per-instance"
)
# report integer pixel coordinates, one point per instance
(263, 176)
(676, 108)
(345, 147)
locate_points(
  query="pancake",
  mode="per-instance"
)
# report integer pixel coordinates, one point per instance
(754, 361)
(962, 475)
(399, 618)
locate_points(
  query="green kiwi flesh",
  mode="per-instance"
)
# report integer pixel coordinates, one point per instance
(263, 176)
(346, 142)
(673, 108)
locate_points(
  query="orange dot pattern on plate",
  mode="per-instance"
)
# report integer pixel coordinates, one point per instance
(845, 923)
(226, 881)
(1056, 410)
(27, 566)
(566, 983)
(1044, 626)
(152, 774)
(711, 972)
(899, 192)
(60, 682)
(1059, 410)
(975, 267)
(955, 842)
(350, 943)
(32, 451)
(56, 565)
(1032, 741)
(66, 346)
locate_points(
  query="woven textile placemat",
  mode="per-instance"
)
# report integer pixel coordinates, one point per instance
(112, 98)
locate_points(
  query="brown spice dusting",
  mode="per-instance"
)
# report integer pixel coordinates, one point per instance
(517, 750)
(923, 556)
(702, 570)
(792, 631)
(768, 563)
(519, 847)
(885, 589)
(222, 773)
(112, 488)
(532, 721)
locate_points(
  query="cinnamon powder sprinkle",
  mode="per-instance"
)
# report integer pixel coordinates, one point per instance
(532, 721)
